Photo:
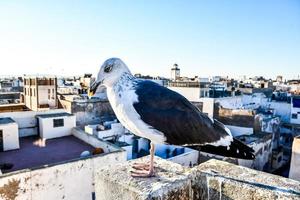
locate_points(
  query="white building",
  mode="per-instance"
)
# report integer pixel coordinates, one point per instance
(106, 131)
(9, 137)
(56, 125)
(48, 171)
(40, 93)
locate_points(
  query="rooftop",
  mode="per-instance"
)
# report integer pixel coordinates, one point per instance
(33, 153)
(248, 139)
(6, 120)
(53, 115)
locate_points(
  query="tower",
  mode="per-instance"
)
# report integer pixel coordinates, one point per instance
(175, 72)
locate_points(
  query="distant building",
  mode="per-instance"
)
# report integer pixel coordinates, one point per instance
(262, 145)
(87, 111)
(9, 137)
(11, 84)
(10, 98)
(294, 86)
(5, 85)
(175, 72)
(279, 79)
(85, 83)
(40, 93)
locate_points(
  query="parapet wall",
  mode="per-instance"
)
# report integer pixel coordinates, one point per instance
(210, 180)
(234, 117)
(72, 180)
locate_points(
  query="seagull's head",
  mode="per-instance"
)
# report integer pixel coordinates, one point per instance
(110, 72)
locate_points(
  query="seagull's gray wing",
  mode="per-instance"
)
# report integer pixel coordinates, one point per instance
(170, 113)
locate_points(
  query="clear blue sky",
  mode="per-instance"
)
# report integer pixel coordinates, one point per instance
(254, 37)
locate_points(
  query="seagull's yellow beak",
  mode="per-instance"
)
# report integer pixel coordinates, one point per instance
(93, 88)
(90, 93)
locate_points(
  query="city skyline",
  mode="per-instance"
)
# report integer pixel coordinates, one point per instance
(204, 38)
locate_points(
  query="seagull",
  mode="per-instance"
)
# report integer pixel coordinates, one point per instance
(163, 116)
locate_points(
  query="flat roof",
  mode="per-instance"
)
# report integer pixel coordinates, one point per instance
(33, 154)
(54, 115)
(6, 120)
(254, 137)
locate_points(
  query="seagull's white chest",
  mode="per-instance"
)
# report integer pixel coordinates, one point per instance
(122, 97)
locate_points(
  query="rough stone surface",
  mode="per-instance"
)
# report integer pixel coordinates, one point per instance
(235, 182)
(211, 180)
(171, 182)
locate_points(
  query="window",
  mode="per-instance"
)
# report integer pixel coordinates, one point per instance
(294, 116)
(53, 94)
(49, 92)
(25, 89)
(58, 122)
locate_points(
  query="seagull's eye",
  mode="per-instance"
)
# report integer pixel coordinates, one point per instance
(108, 68)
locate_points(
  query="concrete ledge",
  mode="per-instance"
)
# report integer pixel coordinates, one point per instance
(115, 182)
(217, 179)
(211, 180)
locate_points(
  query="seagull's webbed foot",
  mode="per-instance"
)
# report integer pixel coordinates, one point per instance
(141, 166)
(142, 171)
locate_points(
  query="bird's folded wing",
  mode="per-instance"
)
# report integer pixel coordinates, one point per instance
(170, 113)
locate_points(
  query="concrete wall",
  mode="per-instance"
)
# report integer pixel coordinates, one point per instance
(192, 94)
(128, 150)
(27, 121)
(295, 161)
(189, 158)
(128, 138)
(43, 95)
(230, 102)
(282, 109)
(143, 144)
(116, 129)
(208, 106)
(10, 136)
(87, 111)
(48, 131)
(93, 141)
(71, 180)
(234, 117)
(210, 180)
(254, 100)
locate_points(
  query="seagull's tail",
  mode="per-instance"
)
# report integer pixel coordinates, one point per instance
(237, 149)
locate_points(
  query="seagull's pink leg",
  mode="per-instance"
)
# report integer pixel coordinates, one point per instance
(143, 170)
